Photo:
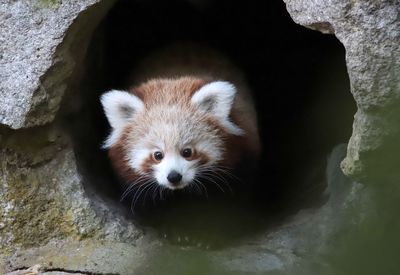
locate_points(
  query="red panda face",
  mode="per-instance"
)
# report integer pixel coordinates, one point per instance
(172, 136)
(172, 144)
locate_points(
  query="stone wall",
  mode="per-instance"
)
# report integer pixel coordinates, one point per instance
(42, 197)
(41, 43)
(370, 33)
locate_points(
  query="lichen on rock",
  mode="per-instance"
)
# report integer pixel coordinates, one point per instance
(46, 201)
(43, 201)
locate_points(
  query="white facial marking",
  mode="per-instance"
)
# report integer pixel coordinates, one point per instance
(169, 129)
(119, 107)
(174, 162)
(137, 157)
(213, 152)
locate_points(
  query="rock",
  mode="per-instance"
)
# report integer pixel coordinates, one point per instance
(40, 44)
(48, 217)
(300, 245)
(34, 270)
(82, 257)
(47, 202)
(42, 199)
(370, 33)
(53, 37)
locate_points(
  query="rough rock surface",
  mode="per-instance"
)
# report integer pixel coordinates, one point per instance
(292, 248)
(33, 76)
(48, 218)
(41, 192)
(86, 257)
(42, 196)
(370, 32)
(40, 43)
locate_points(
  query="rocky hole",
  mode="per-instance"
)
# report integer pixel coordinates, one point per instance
(298, 77)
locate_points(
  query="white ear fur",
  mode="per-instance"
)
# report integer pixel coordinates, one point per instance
(119, 107)
(217, 98)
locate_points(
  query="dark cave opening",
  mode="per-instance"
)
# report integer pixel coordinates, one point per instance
(298, 78)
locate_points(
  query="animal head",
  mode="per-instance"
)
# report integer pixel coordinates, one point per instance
(171, 131)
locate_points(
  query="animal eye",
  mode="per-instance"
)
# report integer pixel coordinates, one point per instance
(158, 155)
(186, 153)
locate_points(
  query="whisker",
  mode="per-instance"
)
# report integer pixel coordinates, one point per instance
(209, 178)
(132, 186)
(223, 181)
(154, 190)
(164, 192)
(202, 186)
(197, 188)
(140, 191)
(147, 191)
(160, 190)
(190, 189)
(229, 174)
(220, 173)
(134, 198)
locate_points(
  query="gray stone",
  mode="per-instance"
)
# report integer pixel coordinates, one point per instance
(86, 257)
(291, 248)
(370, 33)
(48, 218)
(43, 203)
(298, 246)
(42, 199)
(40, 44)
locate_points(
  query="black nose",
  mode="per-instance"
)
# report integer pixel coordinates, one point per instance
(174, 177)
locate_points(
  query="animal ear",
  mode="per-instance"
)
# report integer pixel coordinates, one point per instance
(217, 98)
(120, 106)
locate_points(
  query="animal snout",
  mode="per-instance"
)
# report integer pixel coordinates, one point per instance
(174, 177)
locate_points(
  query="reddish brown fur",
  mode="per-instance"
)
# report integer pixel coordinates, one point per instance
(203, 159)
(117, 155)
(147, 164)
(168, 90)
(176, 85)
(173, 91)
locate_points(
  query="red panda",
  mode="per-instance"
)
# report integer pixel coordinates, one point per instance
(188, 116)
